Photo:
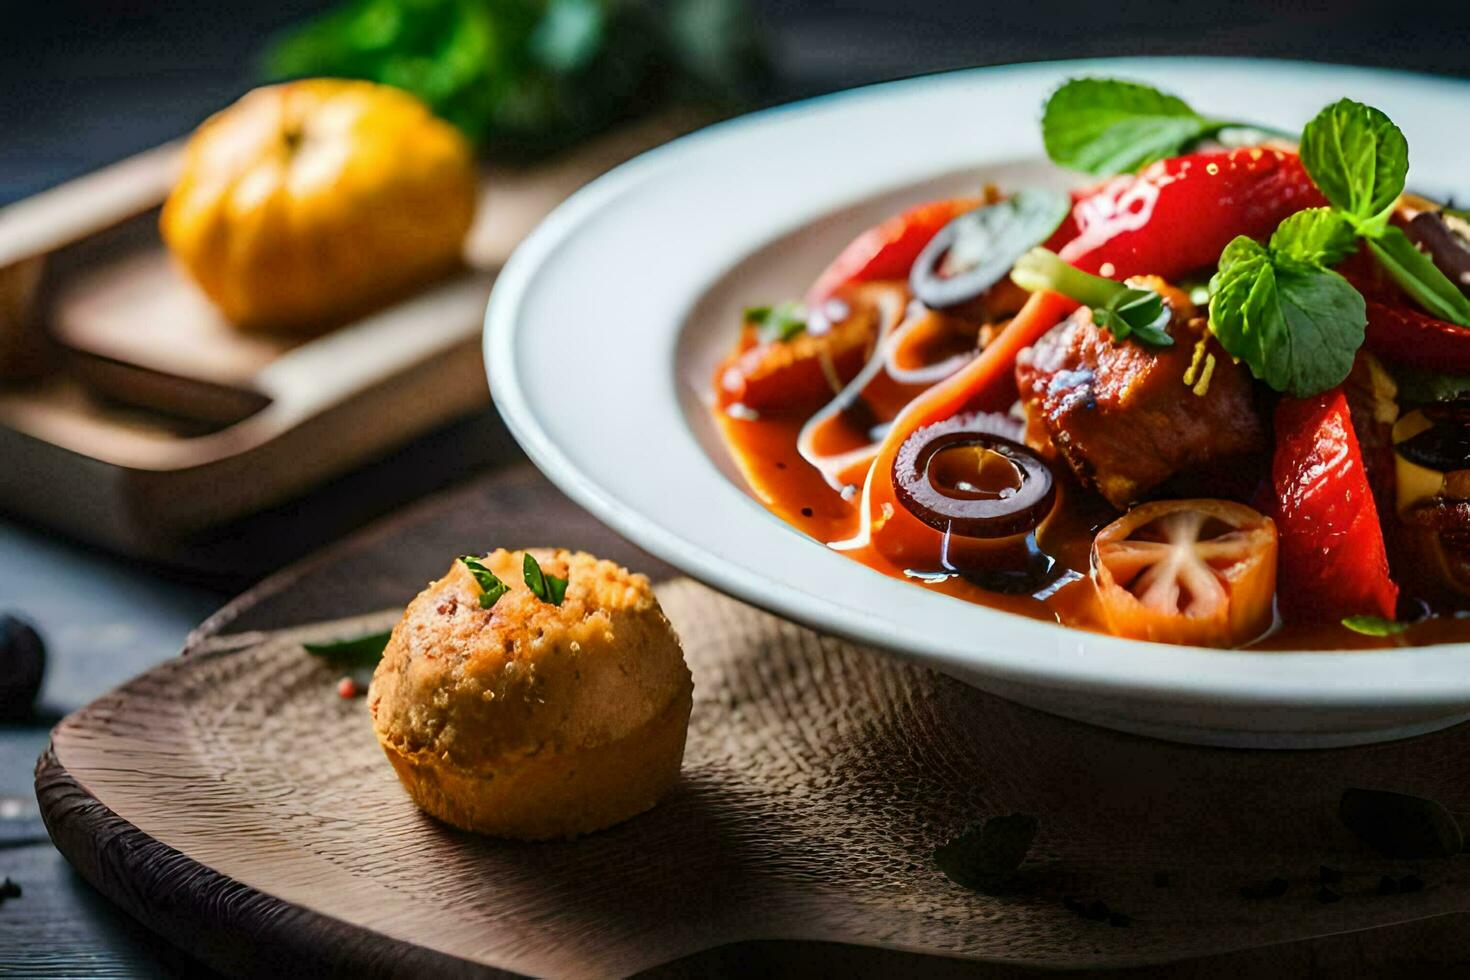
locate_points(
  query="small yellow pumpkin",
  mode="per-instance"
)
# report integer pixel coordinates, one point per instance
(307, 202)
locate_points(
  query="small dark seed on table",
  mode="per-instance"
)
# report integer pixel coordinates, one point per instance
(1161, 879)
(1411, 883)
(1276, 887)
(1328, 876)
(1074, 904)
(1119, 919)
(1388, 886)
(1097, 910)
(1326, 895)
(9, 889)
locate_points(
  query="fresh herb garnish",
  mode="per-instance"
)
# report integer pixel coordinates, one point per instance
(1122, 310)
(1295, 324)
(1399, 825)
(1359, 160)
(491, 587)
(1416, 274)
(781, 322)
(351, 654)
(1375, 625)
(547, 588)
(1317, 235)
(985, 855)
(1106, 126)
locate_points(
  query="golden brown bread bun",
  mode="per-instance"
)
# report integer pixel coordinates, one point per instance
(531, 720)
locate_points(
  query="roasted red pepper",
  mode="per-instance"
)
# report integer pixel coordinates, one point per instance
(1333, 562)
(888, 250)
(1177, 216)
(1398, 332)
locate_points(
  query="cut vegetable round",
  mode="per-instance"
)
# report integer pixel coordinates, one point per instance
(1199, 572)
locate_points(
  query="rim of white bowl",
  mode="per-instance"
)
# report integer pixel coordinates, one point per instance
(1427, 677)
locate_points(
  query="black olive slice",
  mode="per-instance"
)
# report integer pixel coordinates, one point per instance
(971, 476)
(1445, 446)
(1446, 245)
(977, 250)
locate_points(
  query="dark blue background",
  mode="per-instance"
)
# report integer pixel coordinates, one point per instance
(83, 82)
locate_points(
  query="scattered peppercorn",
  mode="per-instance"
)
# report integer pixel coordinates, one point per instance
(1411, 883)
(1097, 910)
(1120, 920)
(1161, 879)
(1388, 885)
(22, 666)
(1328, 876)
(1327, 896)
(1073, 904)
(9, 889)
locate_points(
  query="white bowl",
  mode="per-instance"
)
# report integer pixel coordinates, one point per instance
(605, 325)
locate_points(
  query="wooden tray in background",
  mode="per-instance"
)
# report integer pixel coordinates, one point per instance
(233, 803)
(155, 420)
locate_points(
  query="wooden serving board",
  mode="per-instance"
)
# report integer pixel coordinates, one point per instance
(159, 420)
(231, 801)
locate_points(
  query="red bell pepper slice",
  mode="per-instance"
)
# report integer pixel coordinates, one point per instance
(888, 250)
(1177, 216)
(1332, 560)
(1399, 333)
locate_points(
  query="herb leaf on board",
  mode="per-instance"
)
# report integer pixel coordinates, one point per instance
(358, 652)
(1375, 625)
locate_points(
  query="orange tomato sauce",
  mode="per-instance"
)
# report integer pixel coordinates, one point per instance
(765, 449)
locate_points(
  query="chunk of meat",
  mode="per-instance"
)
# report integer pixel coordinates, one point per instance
(1123, 415)
(804, 372)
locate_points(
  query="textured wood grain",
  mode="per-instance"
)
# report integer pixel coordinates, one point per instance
(236, 805)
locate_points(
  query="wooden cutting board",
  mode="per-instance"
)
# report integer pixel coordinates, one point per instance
(149, 419)
(231, 801)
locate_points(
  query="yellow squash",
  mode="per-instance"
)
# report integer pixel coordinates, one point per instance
(304, 203)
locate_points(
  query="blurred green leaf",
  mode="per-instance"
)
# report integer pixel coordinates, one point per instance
(526, 77)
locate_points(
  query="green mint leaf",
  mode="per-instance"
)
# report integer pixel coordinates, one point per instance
(1125, 312)
(1358, 158)
(356, 653)
(547, 588)
(1317, 235)
(1374, 625)
(1296, 325)
(1416, 274)
(491, 588)
(780, 323)
(1137, 313)
(1106, 126)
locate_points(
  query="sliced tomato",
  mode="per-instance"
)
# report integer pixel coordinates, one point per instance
(1199, 572)
(1333, 560)
(888, 250)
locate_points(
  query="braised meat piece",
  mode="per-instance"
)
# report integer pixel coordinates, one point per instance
(1127, 417)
